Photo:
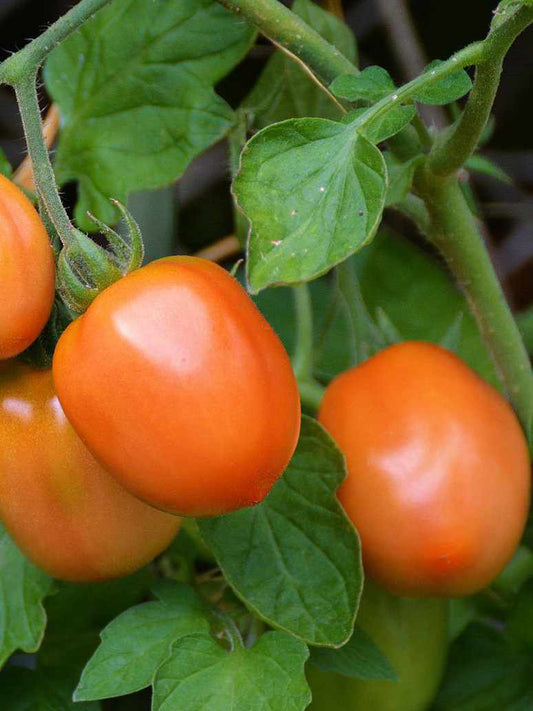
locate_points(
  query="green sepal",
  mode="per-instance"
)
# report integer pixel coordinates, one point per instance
(85, 269)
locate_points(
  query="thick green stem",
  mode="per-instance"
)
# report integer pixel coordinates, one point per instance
(458, 144)
(42, 168)
(311, 392)
(293, 35)
(302, 361)
(28, 59)
(453, 230)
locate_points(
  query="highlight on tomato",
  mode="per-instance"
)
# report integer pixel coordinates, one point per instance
(180, 388)
(27, 271)
(62, 509)
(438, 478)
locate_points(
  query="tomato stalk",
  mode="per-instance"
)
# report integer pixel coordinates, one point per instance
(45, 184)
(453, 230)
(460, 141)
(311, 391)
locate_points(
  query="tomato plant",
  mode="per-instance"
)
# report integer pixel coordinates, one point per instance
(66, 513)
(26, 271)
(284, 394)
(437, 466)
(178, 346)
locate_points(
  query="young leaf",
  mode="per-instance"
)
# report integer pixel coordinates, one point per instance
(285, 90)
(135, 88)
(200, 675)
(313, 191)
(22, 615)
(26, 690)
(359, 658)
(295, 558)
(484, 166)
(371, 85)
(137, 642)
(400, 176)
(394, 121)
(445, 90)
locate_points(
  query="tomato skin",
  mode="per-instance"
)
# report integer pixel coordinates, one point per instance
(179, 386)
(66, 514)
(27, 271)
(438, 470)
(413, 634)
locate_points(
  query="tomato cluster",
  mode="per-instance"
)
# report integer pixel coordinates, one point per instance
(181, 399)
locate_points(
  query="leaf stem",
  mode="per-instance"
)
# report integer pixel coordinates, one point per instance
(460, 141)
(302, 361)
(311, 391)
(45, 184)
(453, 230)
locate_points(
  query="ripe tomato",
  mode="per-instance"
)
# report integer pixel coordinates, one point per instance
(438, 470)
(180, 388)
(413, 634)
(27, 271)
(67, 514)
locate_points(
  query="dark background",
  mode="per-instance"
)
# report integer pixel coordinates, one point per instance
(443, 27)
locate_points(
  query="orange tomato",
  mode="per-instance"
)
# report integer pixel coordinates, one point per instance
(27, 271)
(67, 514)
(179, 386)
(438, 470)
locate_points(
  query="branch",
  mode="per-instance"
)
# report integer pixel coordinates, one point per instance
(453, 230)
(45, 183)
(24, 173)
(457, 145)
(291, 34)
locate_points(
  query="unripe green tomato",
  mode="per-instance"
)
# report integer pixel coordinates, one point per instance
(413, 634)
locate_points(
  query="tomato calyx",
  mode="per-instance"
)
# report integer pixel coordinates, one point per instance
(84, 268)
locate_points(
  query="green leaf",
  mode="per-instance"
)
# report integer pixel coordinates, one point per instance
(359, 658)
(445, 90)
(313, 191)
(26, 690)
(391, 123)
(371, 85)
(484, 166)
(520, 621)
(135, 644)
(201, 675)
(485, 674)
(295, 558)
(23, 588)
(285, 90)
(400, 176)
(5, 165)
(135, 88)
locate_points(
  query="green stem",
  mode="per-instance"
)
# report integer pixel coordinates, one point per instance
(454, 232)
(311, 393)
(525, 324)
(302, 360)
(458, 144)
(29, 58)
(294, 36)
(45, 184)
